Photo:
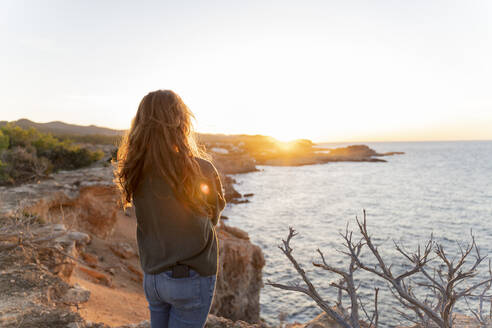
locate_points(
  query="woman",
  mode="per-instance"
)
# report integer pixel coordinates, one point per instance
(178, 199)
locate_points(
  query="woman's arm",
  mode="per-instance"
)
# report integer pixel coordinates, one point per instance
(216, 197)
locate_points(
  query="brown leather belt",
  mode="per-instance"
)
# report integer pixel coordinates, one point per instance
(180, 271)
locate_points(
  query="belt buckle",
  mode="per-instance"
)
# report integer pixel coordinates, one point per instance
(180, 271)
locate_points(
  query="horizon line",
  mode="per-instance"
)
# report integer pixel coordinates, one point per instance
(426, 140)
(314, 142)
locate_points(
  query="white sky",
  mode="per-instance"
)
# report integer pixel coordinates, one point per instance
(325, 70)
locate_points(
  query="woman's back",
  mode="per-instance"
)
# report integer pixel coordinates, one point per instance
(168, 232)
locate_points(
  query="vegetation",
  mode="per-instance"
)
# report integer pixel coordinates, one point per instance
(95, 139)
(27, 154)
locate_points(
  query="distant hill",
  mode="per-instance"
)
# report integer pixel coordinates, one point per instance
(61, 128)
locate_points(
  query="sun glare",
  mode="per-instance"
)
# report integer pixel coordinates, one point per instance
(285, 145)
(204, 188)
(283, 136)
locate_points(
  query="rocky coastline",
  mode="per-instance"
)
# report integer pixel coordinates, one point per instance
(241, 153)
(68, 251)
(61, 244)
(67, 246)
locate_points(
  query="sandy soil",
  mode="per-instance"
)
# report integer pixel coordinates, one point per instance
(123, 302)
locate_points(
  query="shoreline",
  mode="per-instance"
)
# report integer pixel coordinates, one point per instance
(83, 204)
(91, 286)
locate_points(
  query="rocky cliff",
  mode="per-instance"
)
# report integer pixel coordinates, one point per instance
(239, 280)
(64, 226)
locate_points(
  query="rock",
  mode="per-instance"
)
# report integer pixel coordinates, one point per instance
(235, 231)
(98, 276)
(466, 321)
(123, 250)
(90, 259)
(320, 321)
(57, 262)
(74, 325)
(233, 163)
(76, 295)
(36, 297)
(71, 251)
(91, 204)
(43, 199)
(98, 206)
(220, 322)
(232, 196)
(237, 293)
(50, 228)
(239, 201)
(353, 151)
(391, 153)
(143, 324)
(80, 238)
(360, 151)
(136, 271)
(230, 193)
(89, 324)
(86, 197)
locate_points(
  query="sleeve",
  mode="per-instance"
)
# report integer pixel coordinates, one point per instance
(216, 197)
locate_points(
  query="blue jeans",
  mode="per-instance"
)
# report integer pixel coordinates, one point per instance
(178, 302)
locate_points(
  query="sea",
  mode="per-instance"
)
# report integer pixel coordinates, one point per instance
(438, 189)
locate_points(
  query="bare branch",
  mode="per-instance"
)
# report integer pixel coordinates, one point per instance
(310, 290)
(431, 297)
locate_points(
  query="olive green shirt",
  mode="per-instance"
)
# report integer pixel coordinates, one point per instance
(169, 233)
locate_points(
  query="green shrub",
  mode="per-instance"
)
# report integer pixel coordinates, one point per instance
(22, 165)
(4, 177)
(64, 158)
(95, 139)
(26, 154)
(4, 141)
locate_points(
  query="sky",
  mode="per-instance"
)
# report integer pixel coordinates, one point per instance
(351, 70)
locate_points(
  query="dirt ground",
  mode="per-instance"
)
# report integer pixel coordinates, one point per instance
(123, 302)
